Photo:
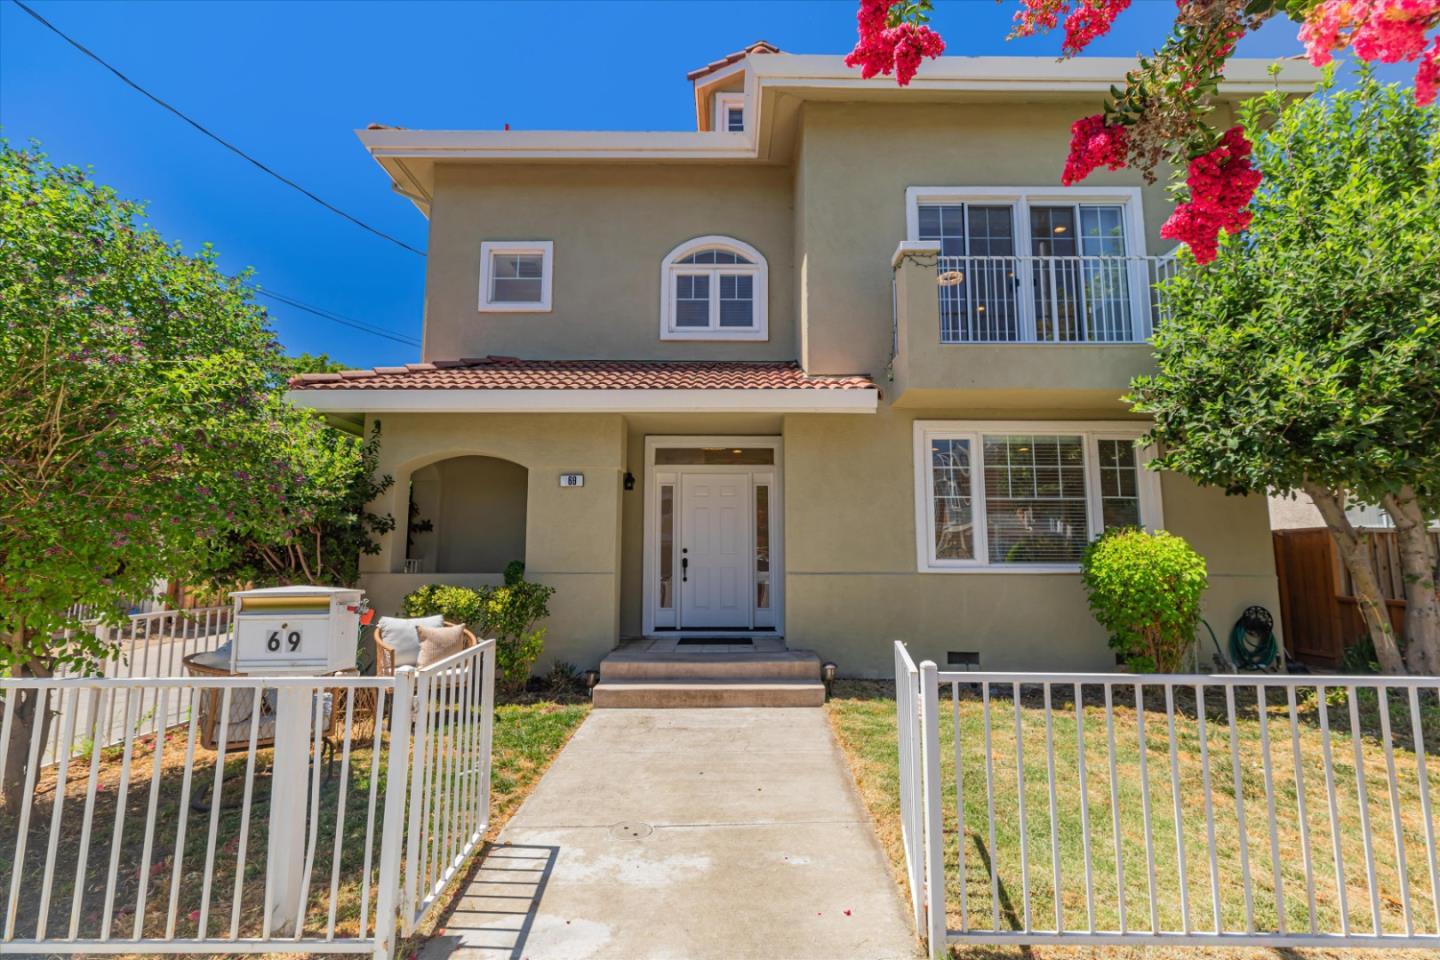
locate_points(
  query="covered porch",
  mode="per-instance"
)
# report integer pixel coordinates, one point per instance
(654, 505)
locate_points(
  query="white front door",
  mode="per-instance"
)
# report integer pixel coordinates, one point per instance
(715, 554)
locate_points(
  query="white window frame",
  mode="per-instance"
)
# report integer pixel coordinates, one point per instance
(724, 102)
(1020, 199)
(488, 249)
(1090, 431)
(757, 268)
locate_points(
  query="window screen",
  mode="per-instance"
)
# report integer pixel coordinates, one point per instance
(1035, 508)
(737, 301)
(1119, 483)
(692, 300)
(516, 277)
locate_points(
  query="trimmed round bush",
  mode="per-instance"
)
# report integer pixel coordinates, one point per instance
(1145, 589)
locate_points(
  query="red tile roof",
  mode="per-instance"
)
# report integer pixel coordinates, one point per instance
(759, 46)
(510, 373)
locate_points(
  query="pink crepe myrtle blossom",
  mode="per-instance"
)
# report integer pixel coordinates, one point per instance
(1390, 31)
(883, 49)
(1094, 144)
(1090, 20)
(1427, 77)
(1086, 21)
(1222, 182)
(1038, 16)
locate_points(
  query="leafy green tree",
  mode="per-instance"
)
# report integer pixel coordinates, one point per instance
(318, 532)
(1306, 357)
(141, 425)
(288, 366)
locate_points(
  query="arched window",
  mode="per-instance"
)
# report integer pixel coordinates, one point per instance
(713, 288)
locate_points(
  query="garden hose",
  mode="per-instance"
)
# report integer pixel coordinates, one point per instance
(1252, 640)
(1220, 658)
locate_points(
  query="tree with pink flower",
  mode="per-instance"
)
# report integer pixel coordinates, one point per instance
(1307, 359)
(1158, 114)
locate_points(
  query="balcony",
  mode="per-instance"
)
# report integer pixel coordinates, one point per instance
(1022, 331)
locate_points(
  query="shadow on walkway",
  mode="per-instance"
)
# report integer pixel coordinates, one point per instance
(496, 912)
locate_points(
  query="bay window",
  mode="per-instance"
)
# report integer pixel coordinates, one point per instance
(1026, 495)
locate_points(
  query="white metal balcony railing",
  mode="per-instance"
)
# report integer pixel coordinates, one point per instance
(1050, 299)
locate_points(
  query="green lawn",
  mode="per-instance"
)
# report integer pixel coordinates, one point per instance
(863, 717)
(526, 739)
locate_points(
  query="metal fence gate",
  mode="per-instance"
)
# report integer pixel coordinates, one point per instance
(165, 841)
(1095, 809)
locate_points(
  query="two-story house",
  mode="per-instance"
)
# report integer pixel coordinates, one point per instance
(843, 365)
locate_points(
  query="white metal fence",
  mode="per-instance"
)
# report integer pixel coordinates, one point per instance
(449, 774)
(192, 839)
(152, 644)
(1187, 810)
(1034, 299)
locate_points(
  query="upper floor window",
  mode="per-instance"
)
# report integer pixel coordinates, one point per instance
(713, 288)
(730, 112)
(516, 276)
(1039, 264)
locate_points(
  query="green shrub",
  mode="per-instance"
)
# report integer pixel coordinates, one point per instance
(511, 613)
(1360, 655)
(508, 613)
(1145, 589)
(456, 604)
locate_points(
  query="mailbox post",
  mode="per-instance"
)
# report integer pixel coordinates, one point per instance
(292, 631)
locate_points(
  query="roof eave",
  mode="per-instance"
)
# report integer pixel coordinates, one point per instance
(749, 400)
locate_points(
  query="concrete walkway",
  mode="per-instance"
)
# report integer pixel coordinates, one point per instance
(686, 834)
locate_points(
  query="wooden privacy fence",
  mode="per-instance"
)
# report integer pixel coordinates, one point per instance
(1318, 608)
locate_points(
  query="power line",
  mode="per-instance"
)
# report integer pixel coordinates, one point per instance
(336, 318)
(218, 139)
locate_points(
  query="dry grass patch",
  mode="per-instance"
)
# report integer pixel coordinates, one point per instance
(862, 715)
(526, 738)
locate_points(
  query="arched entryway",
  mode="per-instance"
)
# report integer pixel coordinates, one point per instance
(467, 515)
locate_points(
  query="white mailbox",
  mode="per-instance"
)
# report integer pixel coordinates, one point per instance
(295, 630)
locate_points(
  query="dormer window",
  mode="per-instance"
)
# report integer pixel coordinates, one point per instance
(730, 112)
(713, 288)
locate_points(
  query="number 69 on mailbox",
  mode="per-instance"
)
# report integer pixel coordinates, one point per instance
(295, 630)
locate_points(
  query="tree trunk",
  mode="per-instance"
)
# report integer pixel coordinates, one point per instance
(1356, 556)
(1418, 564)
(32, 719)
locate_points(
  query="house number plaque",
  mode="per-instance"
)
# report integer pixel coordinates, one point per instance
(572, 479)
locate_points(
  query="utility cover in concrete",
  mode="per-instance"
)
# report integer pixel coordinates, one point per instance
(757, 847)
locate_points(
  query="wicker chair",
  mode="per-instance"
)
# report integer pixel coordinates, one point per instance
(385, 651)
(209, 702)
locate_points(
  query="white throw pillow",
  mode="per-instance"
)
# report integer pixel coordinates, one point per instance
(217, 659)
(401, 635)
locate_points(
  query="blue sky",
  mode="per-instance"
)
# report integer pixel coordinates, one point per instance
(290, 82)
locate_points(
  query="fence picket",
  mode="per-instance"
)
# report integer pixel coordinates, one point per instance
(1321, 919)
(457, 710)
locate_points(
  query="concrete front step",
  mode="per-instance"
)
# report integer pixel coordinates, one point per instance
(708, 693)
(792, 666)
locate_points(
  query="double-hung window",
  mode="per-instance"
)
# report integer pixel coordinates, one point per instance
(516, 276)
(713, 288)
(730, 112)
(1026, 495)
(1028, 266)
